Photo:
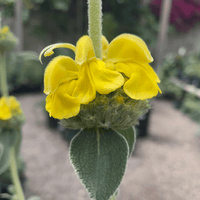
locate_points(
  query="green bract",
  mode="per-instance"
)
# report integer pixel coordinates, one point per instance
(14, 123)
(115, 110)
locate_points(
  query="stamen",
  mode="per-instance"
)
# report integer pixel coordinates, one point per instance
(48, 51)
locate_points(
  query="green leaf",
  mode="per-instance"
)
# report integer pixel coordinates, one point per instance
(99, 159)
(130, 135)
(1, 150)
(7, 140)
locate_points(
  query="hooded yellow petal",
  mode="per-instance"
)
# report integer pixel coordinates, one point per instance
(85, 89)
(5, 112)
(124, 68)
(84, 50)
(105, 80)
(151, 72)
(104, 43)
(140, 86)
(70, 88)
(127, 47)
(59, 69)
(128, 68)
(61, 105)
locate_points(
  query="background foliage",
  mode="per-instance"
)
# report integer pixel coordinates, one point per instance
(51, 21)
(53, 18)
(186, 69)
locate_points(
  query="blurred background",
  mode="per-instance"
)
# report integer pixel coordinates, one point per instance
(165, 164)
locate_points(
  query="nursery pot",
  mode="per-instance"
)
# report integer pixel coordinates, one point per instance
(143, 125)
(51, 122)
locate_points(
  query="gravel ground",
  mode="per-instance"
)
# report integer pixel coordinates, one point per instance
(164, 166)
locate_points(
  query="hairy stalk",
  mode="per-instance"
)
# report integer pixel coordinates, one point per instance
(4, 86)
(112, 198)
(0, 20)
(95, 25)
(15, 176)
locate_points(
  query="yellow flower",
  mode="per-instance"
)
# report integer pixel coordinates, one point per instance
(9, 107)
(3, 32)
(129, 55)
(5, 29)
(70, 83)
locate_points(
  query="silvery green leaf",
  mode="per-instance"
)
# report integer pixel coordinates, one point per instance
(7, 141)
(99, 159)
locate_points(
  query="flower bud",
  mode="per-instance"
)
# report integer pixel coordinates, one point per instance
(7, 39)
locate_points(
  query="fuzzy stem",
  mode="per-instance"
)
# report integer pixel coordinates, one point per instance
(4, 86)
(95, 25)
(113, 197)
(0, 20)
(15, 176)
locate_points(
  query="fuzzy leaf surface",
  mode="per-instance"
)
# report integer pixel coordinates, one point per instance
(130, 135)
(99, 161)
(1, 150)
(7, 140)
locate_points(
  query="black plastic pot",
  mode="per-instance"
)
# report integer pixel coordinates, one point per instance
(52, 122)
(142, 128)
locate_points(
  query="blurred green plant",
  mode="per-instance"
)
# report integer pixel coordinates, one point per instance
(170, 68)
(133, 18)
(110, 26)
(192, 67)
(5, 2)
(7, 39)
(149, 28)
(191, 107)
(24, 69)
(184, 67)
(6, 178)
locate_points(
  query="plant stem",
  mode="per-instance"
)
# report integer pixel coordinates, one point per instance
(15, 176)
(0, 20)
(95, 25)
(4, 87)
(112, 198)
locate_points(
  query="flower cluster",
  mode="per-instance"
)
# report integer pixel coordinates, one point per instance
(9, 107)
(3, 32)
(70, 83)
(11, 114)
(7, 39)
